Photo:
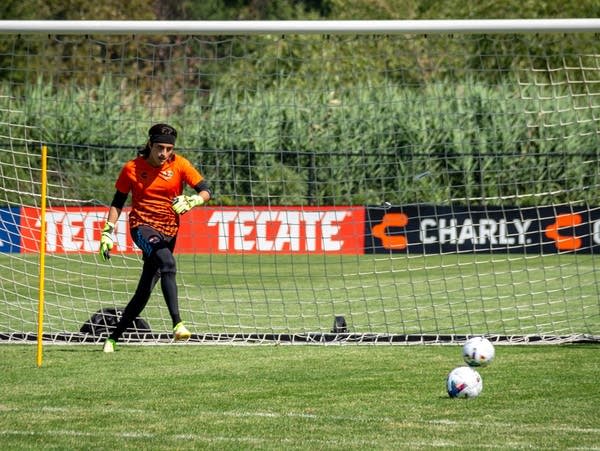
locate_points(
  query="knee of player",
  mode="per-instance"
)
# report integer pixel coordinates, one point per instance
(166, 261)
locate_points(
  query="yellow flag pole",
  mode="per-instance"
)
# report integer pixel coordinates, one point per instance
(40, 327)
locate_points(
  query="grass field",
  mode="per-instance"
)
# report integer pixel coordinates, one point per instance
(299, 397)
(295, 398)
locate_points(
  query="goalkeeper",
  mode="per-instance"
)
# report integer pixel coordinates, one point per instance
(155, 179)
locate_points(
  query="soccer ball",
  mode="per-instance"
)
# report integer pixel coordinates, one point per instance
(478, 351)
(464, 382)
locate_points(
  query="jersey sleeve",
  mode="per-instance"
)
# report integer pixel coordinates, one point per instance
(123, 183)
(191, 176)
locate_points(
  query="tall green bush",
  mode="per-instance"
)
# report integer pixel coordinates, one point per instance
(354, 145)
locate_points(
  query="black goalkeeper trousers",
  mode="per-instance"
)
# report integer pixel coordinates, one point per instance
(159, 264)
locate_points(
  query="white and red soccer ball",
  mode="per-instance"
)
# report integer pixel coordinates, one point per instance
(464, 382)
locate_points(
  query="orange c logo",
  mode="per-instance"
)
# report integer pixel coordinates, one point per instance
(564, 242)
(391, 220)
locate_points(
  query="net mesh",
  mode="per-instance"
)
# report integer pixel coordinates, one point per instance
(386, 188)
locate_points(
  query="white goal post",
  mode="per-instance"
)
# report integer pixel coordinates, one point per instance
(279, 27)
(375, 181)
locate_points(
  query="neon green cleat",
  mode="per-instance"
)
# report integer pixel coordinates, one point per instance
(181, 333)
(109, 345)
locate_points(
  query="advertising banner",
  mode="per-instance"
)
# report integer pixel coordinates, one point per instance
(70, 230)
(10, 236)
(434, 229)
(273, 230)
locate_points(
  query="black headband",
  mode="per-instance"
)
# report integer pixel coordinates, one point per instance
(164, 139)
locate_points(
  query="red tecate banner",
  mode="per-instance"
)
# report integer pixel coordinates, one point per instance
(71, 230)
(275, 230)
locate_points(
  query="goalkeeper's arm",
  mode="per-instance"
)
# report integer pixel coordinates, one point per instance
(182, 204)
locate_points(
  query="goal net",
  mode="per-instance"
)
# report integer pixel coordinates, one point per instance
(371, 185)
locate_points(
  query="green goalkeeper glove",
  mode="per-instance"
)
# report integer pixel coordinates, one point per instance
(182, 204)
(106, 241)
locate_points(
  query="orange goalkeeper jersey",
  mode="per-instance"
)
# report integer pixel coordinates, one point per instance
(153, 189)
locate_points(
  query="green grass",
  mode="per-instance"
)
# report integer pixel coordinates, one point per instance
(336, 397)
(295, 398)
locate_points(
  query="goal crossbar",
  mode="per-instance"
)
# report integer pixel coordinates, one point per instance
(124, 27)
